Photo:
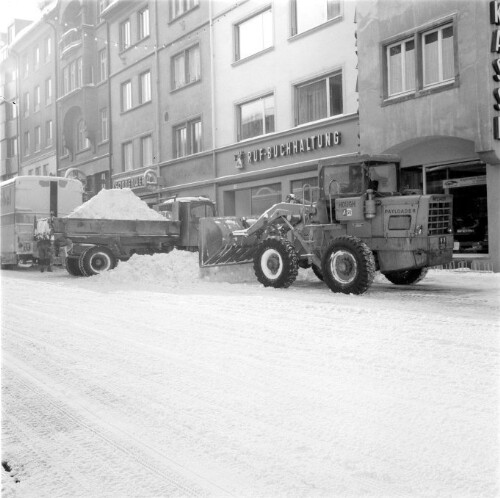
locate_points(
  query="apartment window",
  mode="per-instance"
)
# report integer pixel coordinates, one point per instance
(25, 65)
(143, 18)
(146, 151)
(38, 138)
(401, 67)
(48, 49)
(103, 113)
(126, 90)
(262, 198)
(188, 138)
(438, 56)
(103, 4)
(256, 117)
(66, 87)
(36, 57)
(186, 67)
(125, 40)
(36, 105)
(79, 73)
(320, 98)
(48, 91)
(82, 142)
(27, 143)
(103, 65)
(12, 147)
(179, 7)
(48, 133)
(72, 76)
(307, 14)
(128, 156)
(145, 87)
(45, 169)
(254, 35)
(37, 171)
(26, 104)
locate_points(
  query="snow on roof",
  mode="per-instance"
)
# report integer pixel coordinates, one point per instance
(116, 204)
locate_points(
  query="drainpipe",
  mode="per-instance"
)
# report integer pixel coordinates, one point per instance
(212, 97)
(158, 96)
(110, 120)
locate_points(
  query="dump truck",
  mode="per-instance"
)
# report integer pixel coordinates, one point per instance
(92, 246)
(356, 221)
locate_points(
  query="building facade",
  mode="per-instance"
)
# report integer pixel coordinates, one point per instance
(427, 82)
(238, 100)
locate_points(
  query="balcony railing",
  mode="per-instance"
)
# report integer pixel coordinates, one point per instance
(70, 39)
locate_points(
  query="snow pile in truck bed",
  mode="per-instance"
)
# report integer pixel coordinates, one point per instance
(116, 204)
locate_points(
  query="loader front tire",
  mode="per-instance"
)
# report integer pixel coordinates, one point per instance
(97, 260)
(348, 266)
(276, 263)
(406, 277)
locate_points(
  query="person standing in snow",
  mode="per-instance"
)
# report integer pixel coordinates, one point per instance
(43, 235)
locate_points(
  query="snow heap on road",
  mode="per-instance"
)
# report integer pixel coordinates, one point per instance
(175, 269)
(116, 204)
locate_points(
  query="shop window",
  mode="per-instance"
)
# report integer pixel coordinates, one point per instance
(256, 117)
(320, 98)
(188, 138)
(143, 21)
(262, 198)
(307, 14)
(186, 67)
(127, 156)
(180, 7)
(311, 191)
(254, 35)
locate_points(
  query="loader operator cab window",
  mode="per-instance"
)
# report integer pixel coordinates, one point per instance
(355, 179)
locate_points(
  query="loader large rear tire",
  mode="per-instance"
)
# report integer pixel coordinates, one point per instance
(406, 277)
(348, 266)
(276, 263)
(97, 260)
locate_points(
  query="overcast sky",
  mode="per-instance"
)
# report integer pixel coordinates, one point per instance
(17, 9)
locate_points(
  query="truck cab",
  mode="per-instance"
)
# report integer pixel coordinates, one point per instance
(188, 210)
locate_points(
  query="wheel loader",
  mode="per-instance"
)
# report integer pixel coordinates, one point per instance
(355, 222)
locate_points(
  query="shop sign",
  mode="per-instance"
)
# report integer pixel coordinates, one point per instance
(465, 182)
(147, 179)
(295, 147)
(495, 48)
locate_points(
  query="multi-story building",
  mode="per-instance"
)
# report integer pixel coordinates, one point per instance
(428, 74)
(35, 53)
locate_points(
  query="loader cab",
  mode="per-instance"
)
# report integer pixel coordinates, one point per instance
(351, 176)
(189, 211)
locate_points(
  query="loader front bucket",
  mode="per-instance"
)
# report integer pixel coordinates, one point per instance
(218, 246)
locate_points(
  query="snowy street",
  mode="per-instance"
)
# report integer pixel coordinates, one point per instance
(150, 381)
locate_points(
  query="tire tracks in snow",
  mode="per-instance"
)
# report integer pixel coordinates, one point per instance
(86, 416)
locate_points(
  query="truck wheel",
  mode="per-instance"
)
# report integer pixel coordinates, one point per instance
(73, 267)
(96, 260)
(276, 263)
(348, 266)
(406, 277)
